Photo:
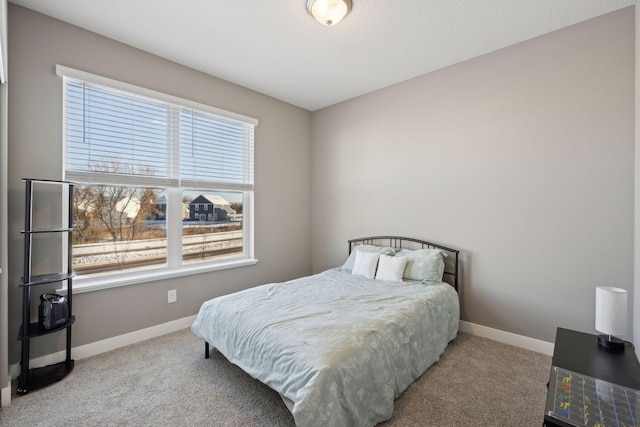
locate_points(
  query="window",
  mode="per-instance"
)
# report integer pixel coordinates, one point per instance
(144, 163)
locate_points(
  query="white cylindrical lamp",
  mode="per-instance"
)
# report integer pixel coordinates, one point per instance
(611, 316)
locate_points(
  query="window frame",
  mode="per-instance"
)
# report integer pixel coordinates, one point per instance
(173, 215)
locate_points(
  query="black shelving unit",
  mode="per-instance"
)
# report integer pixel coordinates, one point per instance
(31, 379)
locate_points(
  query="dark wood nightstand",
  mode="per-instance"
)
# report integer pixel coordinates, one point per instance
(589, 384)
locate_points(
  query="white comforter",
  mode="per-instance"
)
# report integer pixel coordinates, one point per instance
(341, 347)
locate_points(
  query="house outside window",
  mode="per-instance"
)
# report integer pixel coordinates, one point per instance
(139, 159)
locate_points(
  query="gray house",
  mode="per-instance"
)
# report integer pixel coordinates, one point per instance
(209, 207)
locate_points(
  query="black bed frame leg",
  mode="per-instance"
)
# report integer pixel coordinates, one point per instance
(206, 350)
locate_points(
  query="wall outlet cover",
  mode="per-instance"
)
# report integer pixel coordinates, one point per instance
(172, 296)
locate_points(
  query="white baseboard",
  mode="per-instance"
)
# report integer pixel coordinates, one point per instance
(5, 395)
(109, 344)
(507, 338)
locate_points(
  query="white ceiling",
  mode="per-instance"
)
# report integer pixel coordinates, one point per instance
(275, 47)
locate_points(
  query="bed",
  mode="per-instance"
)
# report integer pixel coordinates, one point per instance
(340, 346)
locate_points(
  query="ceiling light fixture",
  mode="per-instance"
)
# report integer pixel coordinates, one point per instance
(328, 12)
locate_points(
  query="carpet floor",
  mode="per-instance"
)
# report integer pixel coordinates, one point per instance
(166, 381)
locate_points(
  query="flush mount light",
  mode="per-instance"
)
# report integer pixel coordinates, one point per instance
(328, 12)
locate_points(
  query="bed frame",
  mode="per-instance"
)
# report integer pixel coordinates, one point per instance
(451, 267)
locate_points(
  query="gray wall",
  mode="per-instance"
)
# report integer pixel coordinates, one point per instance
(523, 159)
(4, 288)
(636, 299)
(282, 197)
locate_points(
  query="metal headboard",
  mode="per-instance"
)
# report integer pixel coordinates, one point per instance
(410, 243)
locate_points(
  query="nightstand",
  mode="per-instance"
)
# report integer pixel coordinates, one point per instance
(591, 386)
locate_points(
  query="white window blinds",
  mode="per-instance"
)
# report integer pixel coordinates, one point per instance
(119, 137)
(215, 150)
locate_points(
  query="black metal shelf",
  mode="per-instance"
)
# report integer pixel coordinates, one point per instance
(49, 181)
(41, 377)
(49, 230)
(36, 329)
(47, 278)
(31, 379)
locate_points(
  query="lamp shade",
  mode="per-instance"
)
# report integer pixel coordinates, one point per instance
(611, 310)
(328, 12)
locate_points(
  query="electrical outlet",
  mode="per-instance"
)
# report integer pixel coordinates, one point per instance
(172, 296)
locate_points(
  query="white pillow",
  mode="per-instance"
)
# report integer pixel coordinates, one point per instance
(365, 264)
(348, 264)
(391, 268)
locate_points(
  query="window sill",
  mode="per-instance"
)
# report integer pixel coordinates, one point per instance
(90, 284)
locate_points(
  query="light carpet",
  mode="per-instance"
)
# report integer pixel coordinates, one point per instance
(166, 381)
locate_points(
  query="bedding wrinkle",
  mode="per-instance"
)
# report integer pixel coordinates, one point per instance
(341, 347)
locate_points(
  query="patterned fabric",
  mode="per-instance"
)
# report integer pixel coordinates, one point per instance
(341, 347)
